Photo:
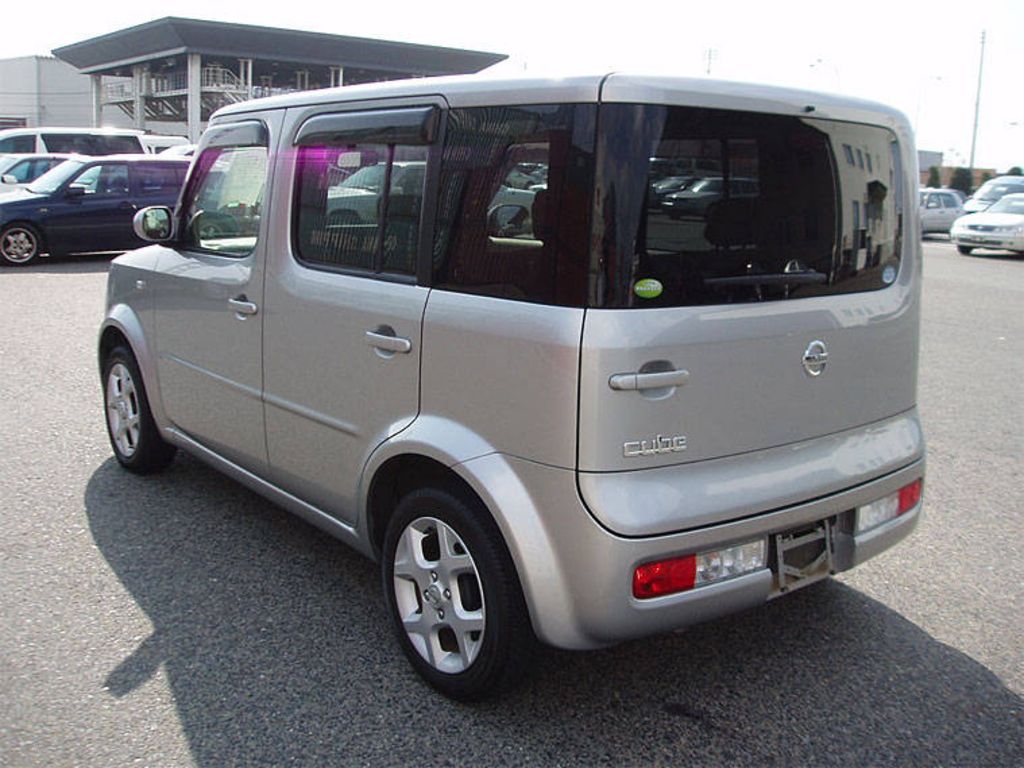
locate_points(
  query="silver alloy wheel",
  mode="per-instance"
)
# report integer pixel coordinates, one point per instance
(19, 245)
(439, 595)
(123, 409)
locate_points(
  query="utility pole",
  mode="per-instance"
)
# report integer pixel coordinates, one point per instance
(977, 107)
(710, 55)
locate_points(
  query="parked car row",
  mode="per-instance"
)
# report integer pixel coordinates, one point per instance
(993, 217)
(1000, 226)
(85, 205)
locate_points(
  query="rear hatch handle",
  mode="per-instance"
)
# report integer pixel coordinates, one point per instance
(629, 382)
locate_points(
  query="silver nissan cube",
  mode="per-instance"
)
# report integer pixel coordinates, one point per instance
(455, 323)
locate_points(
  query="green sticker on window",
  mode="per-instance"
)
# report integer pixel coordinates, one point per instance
(648, 288)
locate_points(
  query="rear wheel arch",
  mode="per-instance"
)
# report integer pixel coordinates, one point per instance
(400, 476)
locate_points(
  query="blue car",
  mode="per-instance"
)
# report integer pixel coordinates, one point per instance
(85, 205)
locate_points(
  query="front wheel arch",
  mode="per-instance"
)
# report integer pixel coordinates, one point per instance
(110, 338)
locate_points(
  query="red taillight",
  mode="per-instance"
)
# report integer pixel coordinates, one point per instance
(665, 577)
(910, 496)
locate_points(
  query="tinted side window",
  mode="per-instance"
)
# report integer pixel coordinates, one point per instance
(160, 180)
(513, 218)
(18, 144)
(223, 205)
(358, 206)
(91, 144)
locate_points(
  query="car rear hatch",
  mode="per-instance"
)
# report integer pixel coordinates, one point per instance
(756, 353)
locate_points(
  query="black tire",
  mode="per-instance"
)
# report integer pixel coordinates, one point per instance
(140, 449)
(20, 244)
(505, 644)
(964, 249)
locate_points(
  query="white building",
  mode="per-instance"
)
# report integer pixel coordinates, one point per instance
(42, 90)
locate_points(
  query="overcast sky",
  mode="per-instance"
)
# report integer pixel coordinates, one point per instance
(921, 57)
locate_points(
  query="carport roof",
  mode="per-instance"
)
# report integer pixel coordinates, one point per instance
(172, 36)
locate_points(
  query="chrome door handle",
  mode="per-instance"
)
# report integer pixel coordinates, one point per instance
(242, 306)
(388, 343)
(628, 382)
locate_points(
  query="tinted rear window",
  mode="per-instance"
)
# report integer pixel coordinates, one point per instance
(782, 207)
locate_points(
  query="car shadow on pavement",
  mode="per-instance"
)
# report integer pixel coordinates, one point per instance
(78, 265)
(277, 649)
(995, 255)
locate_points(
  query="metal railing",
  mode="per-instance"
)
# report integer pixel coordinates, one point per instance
(221, 79)
(114, 92)
(211, 79)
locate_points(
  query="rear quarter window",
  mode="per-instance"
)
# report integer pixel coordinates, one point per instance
(513, 211)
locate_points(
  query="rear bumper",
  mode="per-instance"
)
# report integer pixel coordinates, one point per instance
(652, 502)
(577, 575)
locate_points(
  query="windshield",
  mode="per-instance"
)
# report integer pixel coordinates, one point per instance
(52, 180)
(993, 190)
(7, 162)
(1009, 204)
(788, 207)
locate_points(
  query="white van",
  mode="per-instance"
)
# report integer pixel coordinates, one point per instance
(565, 415)
(155, 143)
(78, 141)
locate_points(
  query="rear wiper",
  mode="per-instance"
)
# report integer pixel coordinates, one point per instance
(809, 277)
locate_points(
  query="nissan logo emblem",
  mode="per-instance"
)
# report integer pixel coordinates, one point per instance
(815, 358)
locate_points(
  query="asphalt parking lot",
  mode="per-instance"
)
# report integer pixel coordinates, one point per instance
(181, 620)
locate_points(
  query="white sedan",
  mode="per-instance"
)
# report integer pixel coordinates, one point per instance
(1000, 227)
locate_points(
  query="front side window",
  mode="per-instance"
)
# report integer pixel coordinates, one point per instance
(779, 207)
(223, 205)
(358, 206)
(513, 212)
(104, 179)
(26, 170)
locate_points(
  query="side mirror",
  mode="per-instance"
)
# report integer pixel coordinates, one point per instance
(154, 224)
(10, 178)
(75, 191)
(509, 221)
